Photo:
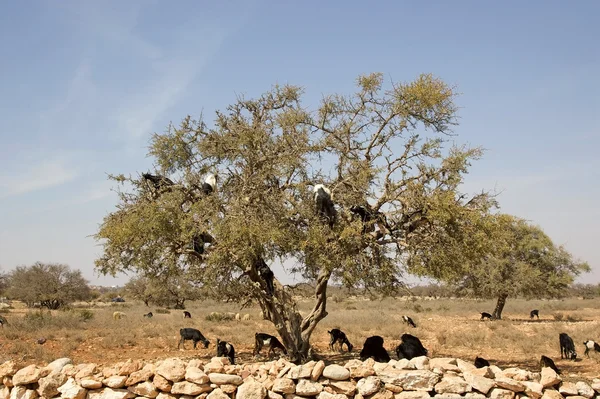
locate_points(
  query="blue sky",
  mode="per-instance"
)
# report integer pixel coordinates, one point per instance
(83, 85)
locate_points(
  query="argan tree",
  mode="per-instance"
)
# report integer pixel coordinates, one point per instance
(515, 258)
(383, 149)
(53, 285)
(172, 291)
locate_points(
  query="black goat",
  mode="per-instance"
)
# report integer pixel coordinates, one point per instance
(410, 347)
(567, 347)
(481, 362)
(3, 321)
(225, 349)
(187, 315)
(148, 315)
(266, 274)
(486, 315)
(534, 313)
(409, 321)
(339, 335)
(545, 361)
(157, 182)
(591, 346)
(191, 334)
(373, 347)
(262, 339)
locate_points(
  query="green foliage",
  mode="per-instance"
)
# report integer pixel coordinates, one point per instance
(86, 314)
(52, 285)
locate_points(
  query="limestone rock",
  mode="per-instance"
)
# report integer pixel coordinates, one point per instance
(584, 390)
(383, 395)
(412, 395)
(336, 372)
(452, 384)
(217, 394)
(189, 388)
(360, 369)
(219, 379)
(8, 369)
(195, 375)
(421, 363)
(499, 393)
(251, 390)
(109, 393)
(85, 370)
(517, 374)
(368, 385)
(533, 389)
(71, 390)
(48, 386)
(567, 389)
(318, 370)
(27, 375)
(343, 387)
(89, 383)
(145, 374)
(146, 389)
(308, 388)
(510, 384)
(551, 394)
(283, 385)
(444, 363)
(172, 369)
(483, 372)
(328, 395)
(479, 383)
(161, 383)
(57, 365)
(115, 382)
(465, 366)
(549, 377)
(411, 380)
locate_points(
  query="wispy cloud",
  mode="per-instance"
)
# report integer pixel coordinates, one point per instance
(45, 174)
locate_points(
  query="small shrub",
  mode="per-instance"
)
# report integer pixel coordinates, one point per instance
(162, 311)
(573, 318)
(86, 314)
(558, 316)
(217, 316)
(351, 307)
(417, 308)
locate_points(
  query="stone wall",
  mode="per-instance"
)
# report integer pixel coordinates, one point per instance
(175, 378)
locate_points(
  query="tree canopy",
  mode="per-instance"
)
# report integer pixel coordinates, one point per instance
(514, 258)
(53, 285)
(387, 150)
(170, 292)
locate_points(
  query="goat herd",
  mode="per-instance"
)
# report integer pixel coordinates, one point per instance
(409, 347)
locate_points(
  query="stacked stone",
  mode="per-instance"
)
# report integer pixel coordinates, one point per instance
(178, 379)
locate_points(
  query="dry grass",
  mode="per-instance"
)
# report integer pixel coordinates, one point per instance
(447, 327)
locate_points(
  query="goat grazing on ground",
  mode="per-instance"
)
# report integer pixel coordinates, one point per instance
(591, 346)
(567, 347)
(534, 313)
(148, 315)
(410, 347)
(191, 334)
(225, 349)
(486, 315)
(481, 362)
(187, 315)
(118, 315)
(339, 335)
(324, 204)
(545, 361)
(409, 321)
(263, 339)
(373, 347)
(3, 321)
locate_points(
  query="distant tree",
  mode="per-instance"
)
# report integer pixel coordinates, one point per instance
(385, 150)
(52, 285)
(515, 259)
(139, 288)
(3, 282)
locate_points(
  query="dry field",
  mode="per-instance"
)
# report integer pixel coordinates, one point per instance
(448, 328)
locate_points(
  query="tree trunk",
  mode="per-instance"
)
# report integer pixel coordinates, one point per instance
(180, 304)
(499, 307)
(280, 309)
